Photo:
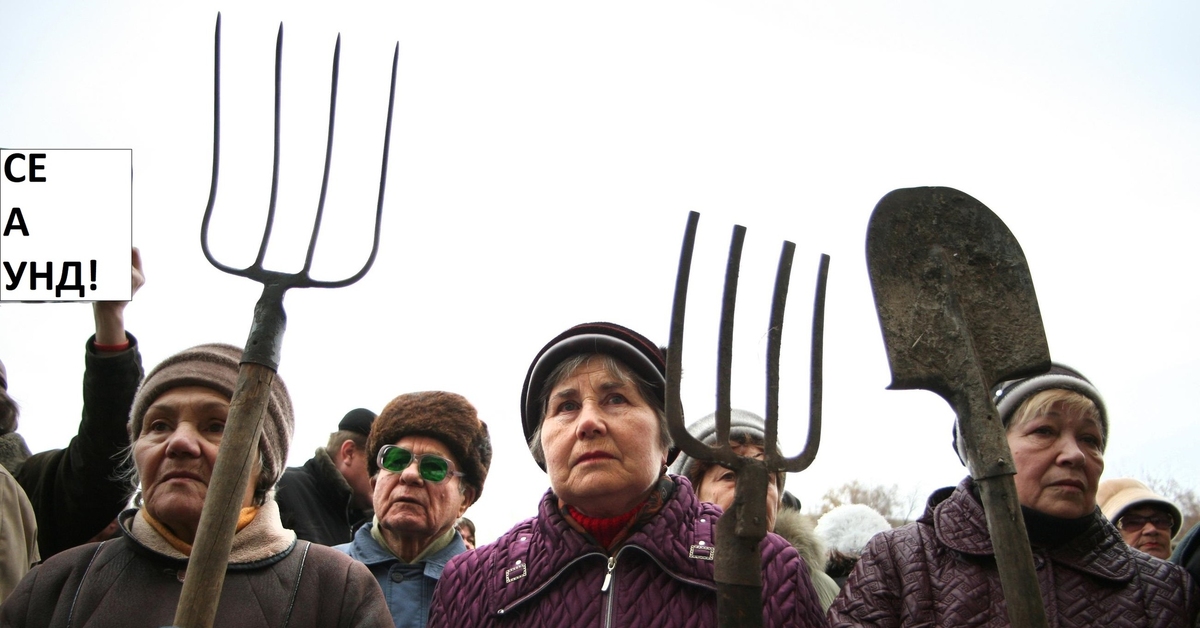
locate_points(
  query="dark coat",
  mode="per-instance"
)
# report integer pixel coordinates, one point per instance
(76, 492)
(941, 571)
(544, 573)
(127, 583)
(1186, 553)
(317, 502)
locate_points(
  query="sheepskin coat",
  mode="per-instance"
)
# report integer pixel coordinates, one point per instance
(797, 528)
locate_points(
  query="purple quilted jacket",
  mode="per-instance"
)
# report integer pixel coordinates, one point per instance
(941, 571)
(544, 573)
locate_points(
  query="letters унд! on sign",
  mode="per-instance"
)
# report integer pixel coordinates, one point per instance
(66, 224)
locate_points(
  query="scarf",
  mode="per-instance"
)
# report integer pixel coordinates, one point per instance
(183, 547)
(610, 532)
(436, 546)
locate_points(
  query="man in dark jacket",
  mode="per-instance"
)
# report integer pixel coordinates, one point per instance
(329, 497)
(76, 492)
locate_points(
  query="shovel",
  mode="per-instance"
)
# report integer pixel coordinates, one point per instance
(959, 314)
(205, 576)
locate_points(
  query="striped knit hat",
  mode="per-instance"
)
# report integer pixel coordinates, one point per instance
(215, 366)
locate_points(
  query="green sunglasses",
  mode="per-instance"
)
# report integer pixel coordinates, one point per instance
(431, 467)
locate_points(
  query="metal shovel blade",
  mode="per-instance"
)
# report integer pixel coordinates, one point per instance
(958, 313)
(947, 273)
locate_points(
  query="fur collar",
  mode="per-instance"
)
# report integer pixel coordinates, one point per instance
(797, 528)
(13, 451)
(324, 466)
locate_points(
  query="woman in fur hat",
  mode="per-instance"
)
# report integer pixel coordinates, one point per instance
(716, 484)
(616, 540)
(135, 580)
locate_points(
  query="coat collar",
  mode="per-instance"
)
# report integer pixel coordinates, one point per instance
(262, 542)
(960, 523)
(539, 551)
(368, 551)
(330, 483)
(797, 528)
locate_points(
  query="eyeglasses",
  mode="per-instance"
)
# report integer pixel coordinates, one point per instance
(1133, 523)
(431, 467)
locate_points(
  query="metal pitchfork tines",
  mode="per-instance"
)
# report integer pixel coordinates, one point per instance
(231, 473)
(738, 564)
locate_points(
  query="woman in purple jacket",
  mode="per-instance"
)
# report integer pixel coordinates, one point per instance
(941, 570)
(616, 541)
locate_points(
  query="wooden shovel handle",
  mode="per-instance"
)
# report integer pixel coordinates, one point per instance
(205, 574)
(1014, 559)
(991, 465)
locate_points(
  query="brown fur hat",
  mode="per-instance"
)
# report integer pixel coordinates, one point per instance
(449, 418)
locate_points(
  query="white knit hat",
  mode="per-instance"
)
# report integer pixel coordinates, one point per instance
(848, 527)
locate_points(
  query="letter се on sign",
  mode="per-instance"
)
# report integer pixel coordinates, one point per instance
(66, 224)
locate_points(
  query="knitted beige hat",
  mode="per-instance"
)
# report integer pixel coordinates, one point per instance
(1118, 495)
(215, 366)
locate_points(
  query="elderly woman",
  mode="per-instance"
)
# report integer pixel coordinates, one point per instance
(716, 484)
(616, 541)
(175, 426)
(1147, 521)
(429, 457)
(940, 570)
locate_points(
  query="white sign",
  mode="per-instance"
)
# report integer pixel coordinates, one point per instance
(66, 224)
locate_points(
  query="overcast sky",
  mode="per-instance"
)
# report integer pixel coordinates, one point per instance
(545, 156)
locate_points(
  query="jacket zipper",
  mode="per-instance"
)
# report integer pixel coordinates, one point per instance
(612, 563)
(607, 585)
(608, 603)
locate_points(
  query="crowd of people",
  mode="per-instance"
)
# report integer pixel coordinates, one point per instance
(371, 530)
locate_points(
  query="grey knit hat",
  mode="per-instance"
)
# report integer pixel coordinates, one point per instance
(3, 376)
(215, 366)
(1009, 395)
(741, 423)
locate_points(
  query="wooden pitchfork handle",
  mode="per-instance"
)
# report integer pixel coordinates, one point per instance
(205, 576)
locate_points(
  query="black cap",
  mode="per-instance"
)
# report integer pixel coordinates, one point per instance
(631, 348)
(358, 420)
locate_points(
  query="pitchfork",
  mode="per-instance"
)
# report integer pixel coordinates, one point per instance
(260, 360)
(738, 563)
